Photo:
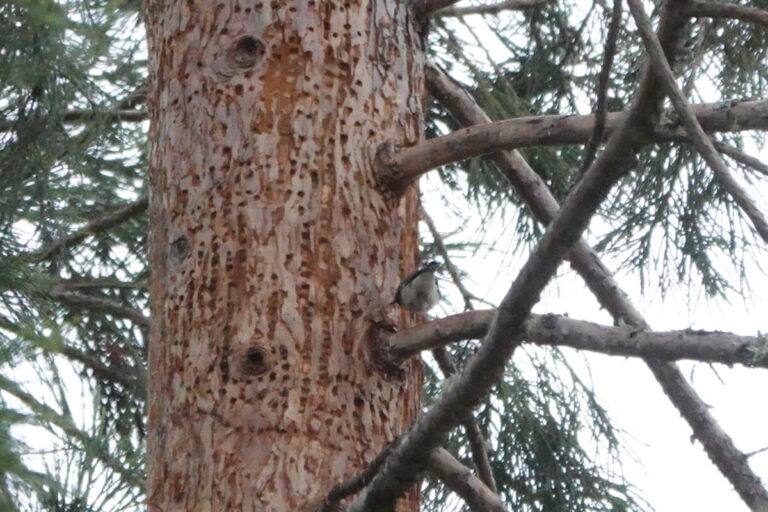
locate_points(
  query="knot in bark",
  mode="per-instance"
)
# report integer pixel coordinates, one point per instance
(254, 361)
(245, 52)
(381, 356)
(389, 175)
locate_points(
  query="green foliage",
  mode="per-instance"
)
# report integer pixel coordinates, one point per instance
(64, 68)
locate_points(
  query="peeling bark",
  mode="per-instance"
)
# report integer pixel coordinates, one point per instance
(272, 253)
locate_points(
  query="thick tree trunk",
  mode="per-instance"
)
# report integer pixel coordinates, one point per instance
(272, 252)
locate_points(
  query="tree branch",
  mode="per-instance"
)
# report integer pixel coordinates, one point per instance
(460, 480)
(424, 8)
(47, 414)
(452, 270)
(82, 301)
(98, 225)
(742, 157)
(726, 149)
(706, 346)
(124, 376)
(357, 482)
(472, 430)
(100, 284)
(600, 281)
(403, 166)
(602, 86)
(486, 367)
(508, 5)
(701, 9)
(691, 124)
(81, 115)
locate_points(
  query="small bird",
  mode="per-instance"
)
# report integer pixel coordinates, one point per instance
(418, 292)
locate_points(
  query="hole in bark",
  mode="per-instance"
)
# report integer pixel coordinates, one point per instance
(180, 248)
(246, 51)
(359, 402)
(254, 361)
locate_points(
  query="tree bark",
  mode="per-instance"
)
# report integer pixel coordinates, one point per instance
(273, 256)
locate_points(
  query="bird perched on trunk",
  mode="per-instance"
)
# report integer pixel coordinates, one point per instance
(418, 292)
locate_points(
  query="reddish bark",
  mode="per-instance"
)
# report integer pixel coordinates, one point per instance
(272, 253)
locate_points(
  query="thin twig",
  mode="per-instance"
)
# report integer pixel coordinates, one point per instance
(701, 9)
(508, 5)
(602, 86)
(124, 376)
(726, 149)
(101, 283)
(65, 423)
(742, 157)
(471, 428)
(81, 115)
(357, 482)
(475, 437)
(76, 300)
(98, 225)
(757, 452)
(459, 479)
(437, 239)
(696, 133)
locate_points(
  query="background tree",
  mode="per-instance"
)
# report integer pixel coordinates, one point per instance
(228, 97)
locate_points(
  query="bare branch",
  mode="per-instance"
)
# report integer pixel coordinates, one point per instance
(726, 149)
(460, 480)
(427, 7)
(101, 283)
(508, 5)
(81, 115)
(706, 346)
(702, 9)
(742, 157)
(82, 301)
(692, 127)
(65, 423)
(134, 98)
(486, 367)
(602, 86)
(98, 225)
(125, 376)
(720, 448)
(452, 270)
(357, 482)
(475, 437)
(408, 164)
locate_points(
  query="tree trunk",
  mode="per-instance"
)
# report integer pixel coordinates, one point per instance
(273, 254)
